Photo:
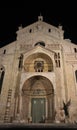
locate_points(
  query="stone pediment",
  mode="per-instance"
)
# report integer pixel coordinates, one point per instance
(40, 26)
(39, 49)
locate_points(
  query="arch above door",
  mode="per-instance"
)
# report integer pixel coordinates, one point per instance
(37, 89)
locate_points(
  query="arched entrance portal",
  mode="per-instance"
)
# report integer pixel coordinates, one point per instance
(38, 99)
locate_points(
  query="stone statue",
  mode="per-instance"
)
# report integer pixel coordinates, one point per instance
(66, 109)
(60, 116)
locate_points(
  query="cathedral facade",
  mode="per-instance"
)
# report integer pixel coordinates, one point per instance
(38, 73)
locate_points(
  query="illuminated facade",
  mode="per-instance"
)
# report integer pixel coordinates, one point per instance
(38, 72)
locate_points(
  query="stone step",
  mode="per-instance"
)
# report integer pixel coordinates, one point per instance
(37, 125)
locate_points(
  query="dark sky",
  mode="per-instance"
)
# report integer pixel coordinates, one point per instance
(58, 12)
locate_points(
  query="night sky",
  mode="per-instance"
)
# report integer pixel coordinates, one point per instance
(12, 15)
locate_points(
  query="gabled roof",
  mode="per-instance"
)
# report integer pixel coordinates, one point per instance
(42, 26)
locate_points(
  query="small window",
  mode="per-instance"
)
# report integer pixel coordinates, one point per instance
(30, 30)
(20, 61)
(2, 72)
(55, 56)
(58, 55)
(58, 63)
(57, 59)
(4, 52)
(75, 50)
(76, 75)
(49, 30)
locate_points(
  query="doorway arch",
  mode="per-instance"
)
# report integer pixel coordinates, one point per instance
(38, 99)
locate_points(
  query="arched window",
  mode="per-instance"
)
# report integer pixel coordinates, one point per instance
(76, 75)
(57, 59)
(40, 43)
(2, 73)
(20, 62)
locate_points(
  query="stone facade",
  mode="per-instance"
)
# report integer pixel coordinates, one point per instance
(38, 72)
